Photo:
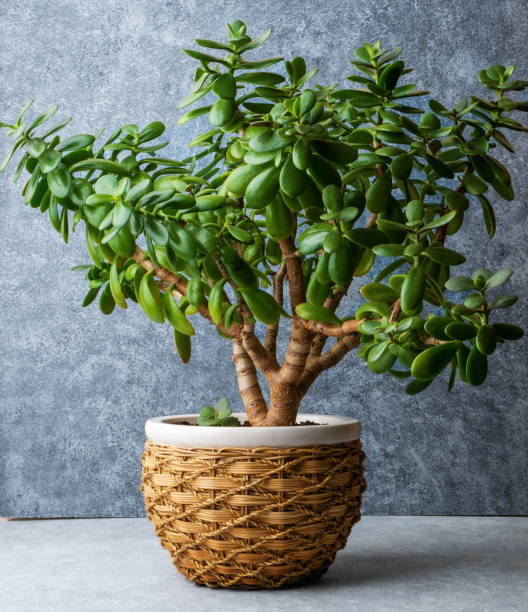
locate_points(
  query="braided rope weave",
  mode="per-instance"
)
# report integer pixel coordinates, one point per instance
(253, 518)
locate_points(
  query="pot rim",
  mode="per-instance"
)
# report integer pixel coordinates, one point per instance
(329, 429)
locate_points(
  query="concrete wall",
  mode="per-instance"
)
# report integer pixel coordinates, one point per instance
(76, 387)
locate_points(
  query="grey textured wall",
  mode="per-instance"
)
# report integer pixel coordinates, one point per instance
(76, 387)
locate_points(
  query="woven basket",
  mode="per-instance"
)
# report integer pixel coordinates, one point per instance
(253, 517)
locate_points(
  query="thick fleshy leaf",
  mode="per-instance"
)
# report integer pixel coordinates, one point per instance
(430, 363)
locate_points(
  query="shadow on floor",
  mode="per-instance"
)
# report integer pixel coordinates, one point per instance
(365, 569)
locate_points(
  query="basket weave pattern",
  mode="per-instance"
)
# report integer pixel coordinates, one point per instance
(253, 518)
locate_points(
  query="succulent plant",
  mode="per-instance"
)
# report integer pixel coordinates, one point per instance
(219, 415)
(298, 184)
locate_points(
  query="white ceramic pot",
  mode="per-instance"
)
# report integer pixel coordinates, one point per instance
(330, 429)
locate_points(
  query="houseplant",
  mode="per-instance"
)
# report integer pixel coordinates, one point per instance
(299, 186)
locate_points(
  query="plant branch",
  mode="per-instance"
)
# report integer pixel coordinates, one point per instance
(331, 302)
(296, 286)
(329, 359)
(272, 331)
(330, 330)
(300, 337)
(248, 384)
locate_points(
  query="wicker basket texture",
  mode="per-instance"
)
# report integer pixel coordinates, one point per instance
(255, 517)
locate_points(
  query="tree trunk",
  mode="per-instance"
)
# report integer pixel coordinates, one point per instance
(284, 404)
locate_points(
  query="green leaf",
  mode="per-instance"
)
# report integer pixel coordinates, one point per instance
(264, 63)
(151, 131)
(334, 151)
(367, 237)
(215, 301)
(474, 184)
(476, 367)
(256, 42)
(412, 291)
(47, 114)
(456, 201)
(430, 363)
(416, 386)
(223, 407)
(212, 44)
(157, 231)
(292, 180)
(183, 346)
(49, 160)
(301, 155)
(262, 188)
(150, 298)
(489, 215)
(460, 331)
(443, 220)
(499, 278)
(487, 339)
(378, 292)
(204, 57)
(80, 141)
(459, 283)
(207, 412)
(115, 286)
(105, 165)
(504, 301)
(444, 256)
(222, 112)
(389, 250)
(262, 305)
(267, 141)
(268, 79)
(36, 147)
(402, 166)
(197, 112)
(474, 301)
(357, 98)
(507, 331)
(175, 316)
(59, 181)
(315, 312)
(378, 194)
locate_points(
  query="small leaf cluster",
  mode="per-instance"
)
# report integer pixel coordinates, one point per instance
(463, 337)
(220, 415)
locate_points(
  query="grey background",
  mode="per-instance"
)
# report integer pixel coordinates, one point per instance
(76, 387)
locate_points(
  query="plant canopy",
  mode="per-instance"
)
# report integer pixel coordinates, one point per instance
(298, 185)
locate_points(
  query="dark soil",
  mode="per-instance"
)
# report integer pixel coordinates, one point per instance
(246, 424)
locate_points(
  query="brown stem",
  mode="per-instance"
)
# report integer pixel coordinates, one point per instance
(396, 309)
(331, 302)
(272, 331)
(300, 337)
(284, 404)
(297, 289)
(332, 330)
(372, 220)
(297, 352)
(329, 359)
(248, 385)
(263, 359)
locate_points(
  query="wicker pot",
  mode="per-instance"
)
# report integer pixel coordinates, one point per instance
(256, 507)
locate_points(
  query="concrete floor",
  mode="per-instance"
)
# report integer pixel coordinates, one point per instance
(449, 564)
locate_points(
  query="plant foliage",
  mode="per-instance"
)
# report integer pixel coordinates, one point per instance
(286, 158)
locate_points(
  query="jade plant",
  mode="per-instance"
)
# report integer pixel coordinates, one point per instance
(323, 190)
(219, 415)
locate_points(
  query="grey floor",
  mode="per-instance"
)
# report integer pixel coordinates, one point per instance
(449, 564)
